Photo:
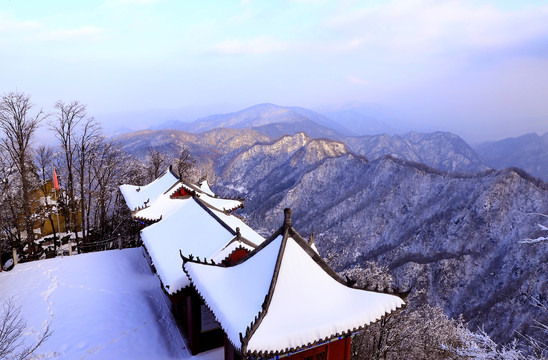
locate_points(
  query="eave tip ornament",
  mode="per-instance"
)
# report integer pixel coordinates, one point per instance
(287, 217)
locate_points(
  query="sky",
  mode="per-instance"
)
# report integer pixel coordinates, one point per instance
(476, 68)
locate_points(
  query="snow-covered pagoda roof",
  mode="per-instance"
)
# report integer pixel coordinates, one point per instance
(164, 205)
(193, 228)
(282, 297)
(187, 218)
(137, 196)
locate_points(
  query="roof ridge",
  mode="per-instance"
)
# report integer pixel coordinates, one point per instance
(226, 211)
(177, 185)
(170, 169)
(210, 212)
(240, 238)
(196, 191)
(268, 297)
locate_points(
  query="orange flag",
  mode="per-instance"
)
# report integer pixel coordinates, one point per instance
(55, 181)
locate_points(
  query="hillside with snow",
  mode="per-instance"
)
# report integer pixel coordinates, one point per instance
(103, 305)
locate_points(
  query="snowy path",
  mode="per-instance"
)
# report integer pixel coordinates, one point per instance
(105, 305)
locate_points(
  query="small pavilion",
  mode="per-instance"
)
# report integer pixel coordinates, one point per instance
(283, 300)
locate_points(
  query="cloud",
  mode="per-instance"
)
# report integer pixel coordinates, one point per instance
(109, 3)
(9, 24)
(85, 33)
(255, 46)
(356, 80)
(428, 27)
(21, 31)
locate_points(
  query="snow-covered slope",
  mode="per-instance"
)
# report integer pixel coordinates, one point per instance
(104, 305)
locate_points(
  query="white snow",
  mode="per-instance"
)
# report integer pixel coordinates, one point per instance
(307, 304)
(160, 207)
(538, 240)
(204, 186)
(187, 226)
(220, 288)
(137, 195)
(193, 231)
(229, 249)
(163, 205)
(233, 222)
(221, 204)
(103, 305)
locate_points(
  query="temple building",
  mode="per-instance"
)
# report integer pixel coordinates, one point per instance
(188, 218)
(282, 300)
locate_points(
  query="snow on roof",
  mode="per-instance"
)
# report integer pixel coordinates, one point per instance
(211, 199)
(297, 297)
(102, 305)
(136, 196)
(159, 208)
(235, 294)
(204, 186)
(191, 229)
(164, 204)
(233, 222)
(221, 204)
(196, 225)
(232, 246)
(188, 229)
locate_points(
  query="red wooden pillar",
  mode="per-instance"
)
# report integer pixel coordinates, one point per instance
(340, 349)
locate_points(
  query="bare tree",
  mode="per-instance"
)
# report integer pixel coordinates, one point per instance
(10, 200)
(12, 330)
(18, 127)
(184, 163)
(106, 165)
(423, 332)
(539, 345)
(68, 118)
(156, 163)
(88, 142)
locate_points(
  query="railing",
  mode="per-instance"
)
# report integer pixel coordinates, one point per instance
(118, 242)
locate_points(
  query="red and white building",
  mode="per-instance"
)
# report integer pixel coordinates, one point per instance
(188, 218)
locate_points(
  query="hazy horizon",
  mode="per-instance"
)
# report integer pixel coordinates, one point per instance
(475, 68)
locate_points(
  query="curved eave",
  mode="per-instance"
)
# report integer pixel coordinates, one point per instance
(329, 338)
(147, 220)
(165, 288)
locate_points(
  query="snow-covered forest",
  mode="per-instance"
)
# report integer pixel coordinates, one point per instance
(85, 203)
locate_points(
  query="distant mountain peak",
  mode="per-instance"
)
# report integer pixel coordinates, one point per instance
(270, 117)
(528, 152)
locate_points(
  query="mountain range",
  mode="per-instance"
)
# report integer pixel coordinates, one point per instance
(454, 238)
(359, 128)
(450, 234)
(529, 152)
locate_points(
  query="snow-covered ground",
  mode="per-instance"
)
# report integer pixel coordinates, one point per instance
(103, 305)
